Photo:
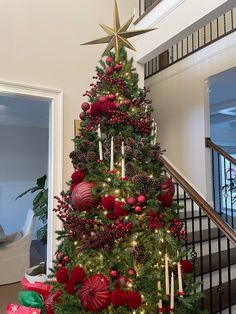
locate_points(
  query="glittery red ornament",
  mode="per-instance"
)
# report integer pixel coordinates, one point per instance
(126, 102)
(78, 176)
(85, 106)
(62, 275)
(102, 99)
(59, 256)
(114, 274)
(119, 209)
(108, 105)
(122, 279)
(111, 97)
(133, 300)
(166, 199)
(96, 109)
(138, 210)
(131, 200)
(109, 60)
(70, 287)
(77, 275)
(94, 293)
(168, 187)
(81, 196)
(142, 199)
(65, 259)
(111, 216)
(118, 297)
(186, 266)
(131, 272)
(82, 115)
(108, 202)
(117, 67)
(117, 104)
(109, 70)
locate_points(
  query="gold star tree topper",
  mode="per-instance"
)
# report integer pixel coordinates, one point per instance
(117, 36)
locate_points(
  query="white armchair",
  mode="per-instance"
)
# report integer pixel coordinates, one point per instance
(15, 252)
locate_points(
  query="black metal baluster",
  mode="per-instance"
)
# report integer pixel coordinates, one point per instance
(210, 265)
(193, 252)
(232, 19)
(224, 24)
(139, 7)
(231, 196)
(193, 48)
(225, 192)
(220, 289)
(185, 219)
(211, 35)
(229, 276)
(217, 27)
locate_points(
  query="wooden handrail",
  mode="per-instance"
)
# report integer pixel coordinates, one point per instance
(147, 11)
(199, 200)
(219, 150)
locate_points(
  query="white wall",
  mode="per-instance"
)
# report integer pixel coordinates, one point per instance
(40, 45)
(180, 99)
(23, 158)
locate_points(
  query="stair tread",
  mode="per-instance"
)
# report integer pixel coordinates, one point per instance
(215, 261)
(216, 297)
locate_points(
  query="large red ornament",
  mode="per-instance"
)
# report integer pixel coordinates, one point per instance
(168, 187)
(186, 266)
(96, 109)
(108, 202)
(108, 105)
(133, 300)
(166, 199)
(119, 209)
(94, 293)
(78, 176)
(70, 287)
(81, 196)
(118, 297)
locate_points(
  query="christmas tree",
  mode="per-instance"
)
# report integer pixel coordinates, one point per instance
(121, 247)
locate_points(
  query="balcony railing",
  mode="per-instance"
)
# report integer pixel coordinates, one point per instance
(146, 5)
(202, 37)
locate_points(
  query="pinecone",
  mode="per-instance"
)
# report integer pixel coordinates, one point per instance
(153, 153)
(118, 139)
(155, 184)
(145, 140)
(81, 166)
(117, 148)
(81, 157)
(129, 169)
(128, 149)
(107, 155)
(91, 156)
(140, 179)
(140, 144)
(138, 154)
(130, 141)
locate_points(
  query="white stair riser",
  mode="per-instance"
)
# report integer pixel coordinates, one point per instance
(197, 222)
(215, 277)
(214, 247)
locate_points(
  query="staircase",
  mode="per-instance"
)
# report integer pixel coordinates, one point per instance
(212, 247)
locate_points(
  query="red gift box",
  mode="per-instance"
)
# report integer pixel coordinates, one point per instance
(19, 309)
(43, 289)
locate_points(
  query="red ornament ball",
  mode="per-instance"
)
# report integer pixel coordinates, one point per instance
(111, 97)
(118, 297)
(82, 115)
(117, 104)
(70, 287)
(114, 274)
(133, 300)
(81, 196)
(94, 293)
(102, 99)
(126, 102)
(119, 209)
(111, 216)
(66, 259)
(131, 200)
(85, 106)
(96, 109)
(122, 279)
(108, 105)
(186, 266)
(72, 186)
(109, 60)
(59, 256)
(117, 67)
(108, 202)
(131, 272)
(109, 70)
(166, 199)
(62, 275)
(142, 199)
(78, 176)
(138, 210)
(168, 187)
(77, 275)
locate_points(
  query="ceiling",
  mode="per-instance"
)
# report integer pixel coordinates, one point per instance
(24, 111)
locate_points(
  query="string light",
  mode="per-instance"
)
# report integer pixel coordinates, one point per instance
(134, 243)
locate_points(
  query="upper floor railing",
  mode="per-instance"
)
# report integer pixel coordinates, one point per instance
(147, 5)
(202, 37)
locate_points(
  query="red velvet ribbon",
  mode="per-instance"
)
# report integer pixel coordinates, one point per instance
(180, 292)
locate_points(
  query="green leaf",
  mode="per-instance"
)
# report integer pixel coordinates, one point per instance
(41, 181)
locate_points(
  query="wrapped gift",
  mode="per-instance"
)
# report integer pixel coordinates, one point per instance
(43, 289)
(19, 309)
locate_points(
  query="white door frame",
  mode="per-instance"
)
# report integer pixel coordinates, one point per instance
(55, 150)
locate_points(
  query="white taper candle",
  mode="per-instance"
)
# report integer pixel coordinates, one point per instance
(180, 278)
(167, 280)
(172, 293)
(99, 142)
(123, 160)
(112, 155)
(160, 300)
